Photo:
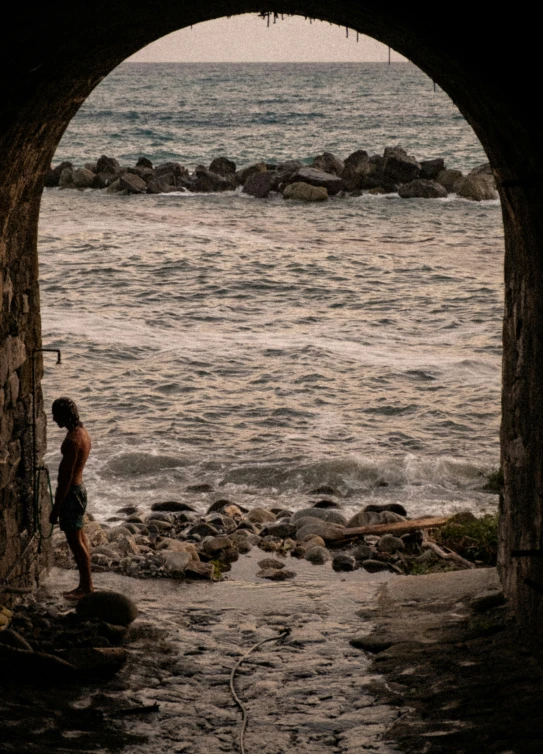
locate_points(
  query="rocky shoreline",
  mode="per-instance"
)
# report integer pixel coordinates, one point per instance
(395, 171)
(175, 541)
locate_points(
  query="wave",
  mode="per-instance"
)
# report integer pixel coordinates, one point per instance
(349, 476)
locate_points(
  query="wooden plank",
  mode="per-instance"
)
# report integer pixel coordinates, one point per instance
(398, 527)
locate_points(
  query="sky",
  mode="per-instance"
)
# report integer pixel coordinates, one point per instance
(248, 39)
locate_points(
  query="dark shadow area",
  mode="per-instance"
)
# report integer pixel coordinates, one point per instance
(37, 720)
(460, 668)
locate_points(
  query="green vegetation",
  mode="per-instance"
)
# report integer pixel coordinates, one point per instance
(430, 566)
(219, 568)
(475, 539)
(494, 482)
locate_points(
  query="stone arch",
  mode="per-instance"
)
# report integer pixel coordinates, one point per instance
(53, 59)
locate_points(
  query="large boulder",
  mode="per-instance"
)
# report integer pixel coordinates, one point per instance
(242, 175)
(328, 163)
(289, 167)
(108, 165)
(422, 189)
(174, 169)
(261, 516)
(343, 562)
(357, 167)
(146, 173)
(400, 167)
(176, 562)
(478, 186)
(95, 534)
(364, 172)
(329, 532)
(114, 187)
(203, 571)
(222, 166)
(111, 607)
(118, 532)
(172, 506)
(304, 192)
(208, 182)
(318, 555)
(127, 546)
(391, 544)
(177, 545)
(144, 162)
(281, 529)
(484, 169)
(53, 174)
(430, 169)
(103, 180)
(392, 507)
(355, 159)
(213, 545)
(332, 183)
(324, 514)
(163, 185)
(259, 184)
(133, 184)
(449, 179)
(364, 518)
(66, 178)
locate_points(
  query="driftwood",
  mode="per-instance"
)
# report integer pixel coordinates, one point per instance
(399, 527)
(446, 554)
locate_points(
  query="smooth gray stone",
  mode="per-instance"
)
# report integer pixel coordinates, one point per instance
(318, 555)
(344, 563)
(328, 531)
(390, 543)
(331, 516)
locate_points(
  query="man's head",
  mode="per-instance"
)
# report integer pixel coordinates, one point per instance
(65, 413)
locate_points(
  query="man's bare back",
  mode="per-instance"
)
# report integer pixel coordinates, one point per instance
(75, 450)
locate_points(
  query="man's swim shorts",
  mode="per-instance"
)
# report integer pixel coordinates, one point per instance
(73, 509)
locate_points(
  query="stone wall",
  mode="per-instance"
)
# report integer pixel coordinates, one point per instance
(23, 554)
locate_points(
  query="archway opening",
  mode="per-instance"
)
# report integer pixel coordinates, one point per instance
(261, 350)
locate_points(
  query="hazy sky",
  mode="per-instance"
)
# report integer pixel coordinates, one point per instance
(247, 39)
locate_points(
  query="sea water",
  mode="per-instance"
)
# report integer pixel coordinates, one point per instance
(267, 348)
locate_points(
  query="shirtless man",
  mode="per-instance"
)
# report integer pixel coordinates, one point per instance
(71, 494)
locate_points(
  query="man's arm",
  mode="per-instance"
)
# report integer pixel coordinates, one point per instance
(65, 475)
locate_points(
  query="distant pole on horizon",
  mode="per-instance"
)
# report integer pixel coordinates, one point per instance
(389, 55)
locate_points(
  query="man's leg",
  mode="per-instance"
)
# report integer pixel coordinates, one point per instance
(80, 549)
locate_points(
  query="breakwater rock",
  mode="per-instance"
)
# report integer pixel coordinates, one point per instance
(395, 171)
